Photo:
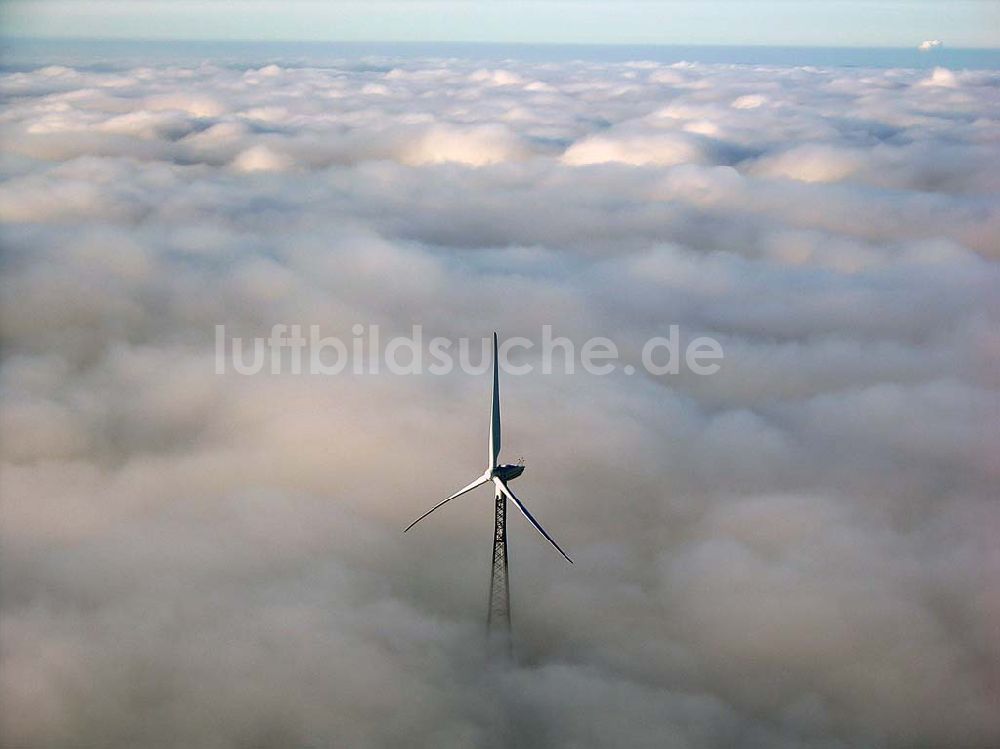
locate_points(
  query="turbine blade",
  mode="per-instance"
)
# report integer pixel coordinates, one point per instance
(495, 414)
(478, 482)
(524, 510)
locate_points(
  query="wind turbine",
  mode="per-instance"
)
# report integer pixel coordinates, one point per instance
(499, 475)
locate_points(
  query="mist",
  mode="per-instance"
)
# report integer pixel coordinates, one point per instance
(798, 551)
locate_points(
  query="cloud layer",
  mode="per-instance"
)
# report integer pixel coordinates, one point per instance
(799, 551)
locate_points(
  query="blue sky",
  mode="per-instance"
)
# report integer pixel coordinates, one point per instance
(959, 23)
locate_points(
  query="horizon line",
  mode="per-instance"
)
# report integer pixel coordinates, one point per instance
(468, 42)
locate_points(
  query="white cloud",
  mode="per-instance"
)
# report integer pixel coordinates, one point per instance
(796, 552)
(260, 158)
(660, 148)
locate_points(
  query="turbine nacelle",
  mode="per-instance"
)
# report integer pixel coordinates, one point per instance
(508, 472)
